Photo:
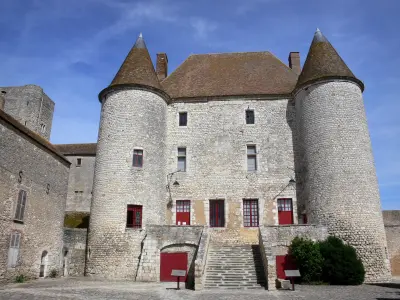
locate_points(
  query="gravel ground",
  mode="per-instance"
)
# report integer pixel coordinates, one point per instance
(85, 289)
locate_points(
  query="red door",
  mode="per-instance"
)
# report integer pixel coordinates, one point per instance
(285, 211)
(182, 212)
(172, 261)
(284, 262)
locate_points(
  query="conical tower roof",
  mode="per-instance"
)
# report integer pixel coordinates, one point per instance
(137, 68)
(323, 62)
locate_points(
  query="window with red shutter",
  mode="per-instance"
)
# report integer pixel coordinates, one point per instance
(285, 211)
(250, 213)
(217, 213)
(182, 212)
(134, 216)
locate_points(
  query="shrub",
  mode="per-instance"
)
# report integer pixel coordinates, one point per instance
(341, 264)
(53, 273)
(21, 278)
(308, 259)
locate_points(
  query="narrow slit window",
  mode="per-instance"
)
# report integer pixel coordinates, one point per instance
(137, 158)
(21, 203)
(134, 216)
(183, 119)
(251, 158)
(249, 116)
(79, 162)
(182, 159)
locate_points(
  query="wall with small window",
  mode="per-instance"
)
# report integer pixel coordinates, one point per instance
(33, 186)
(234, 149)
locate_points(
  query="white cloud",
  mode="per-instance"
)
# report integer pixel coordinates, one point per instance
(202, 27)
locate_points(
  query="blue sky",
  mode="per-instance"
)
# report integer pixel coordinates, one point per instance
(74, 48)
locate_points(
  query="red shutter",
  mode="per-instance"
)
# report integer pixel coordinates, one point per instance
(285, 211)
(182, 212)
(172, 261)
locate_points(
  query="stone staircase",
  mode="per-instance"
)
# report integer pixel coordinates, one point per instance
(234, 267)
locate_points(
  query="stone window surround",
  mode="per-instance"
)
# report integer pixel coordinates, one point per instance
(14, 211)
(179, 119)
(131, 157)
(257, 169)
(177, 158)
(286, 194)
(14, 232)
(254, 116)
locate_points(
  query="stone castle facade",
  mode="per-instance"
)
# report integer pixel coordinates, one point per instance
(228, 150)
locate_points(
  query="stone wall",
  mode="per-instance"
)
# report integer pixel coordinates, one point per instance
(340, 184)
(391, 219)
(216, 139)
(74, 251)
(275, 240)
(160, 239)
(31, 107)
(80, 183)
(29, 163)
(130, 119)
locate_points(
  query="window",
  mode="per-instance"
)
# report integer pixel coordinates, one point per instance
(217, 213)
(183, 119)
(42, 128)
(182, 212)
(20, 210)
(250, 213)
(13, 251)
(137, 158)
(249, 116)
(134, 216)
(251, 158)
(79, 162)
(78, 196)
(182, 159)
(285, 211)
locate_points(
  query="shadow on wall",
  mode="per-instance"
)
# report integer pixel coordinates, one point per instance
(76, 220)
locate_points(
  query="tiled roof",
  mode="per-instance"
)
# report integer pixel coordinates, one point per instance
(137, 68)
(228, 74)
(323, 62)
(33, 136)
(77, 149)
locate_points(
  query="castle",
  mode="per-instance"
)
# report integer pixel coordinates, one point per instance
(230, 153)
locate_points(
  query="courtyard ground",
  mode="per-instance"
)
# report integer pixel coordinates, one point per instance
(89, 289)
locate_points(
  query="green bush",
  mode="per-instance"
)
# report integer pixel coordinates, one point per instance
(308, 259)
(53, 273)
(330, 261)
(341, 263)
(21, 278)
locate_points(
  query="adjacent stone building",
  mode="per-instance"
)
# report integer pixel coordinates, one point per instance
(33, 189)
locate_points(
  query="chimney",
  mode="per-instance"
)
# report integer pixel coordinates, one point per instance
(294, 62)
(2, 99)
(162, 66)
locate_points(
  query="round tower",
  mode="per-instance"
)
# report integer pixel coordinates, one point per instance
(340, 184)
(129, 178)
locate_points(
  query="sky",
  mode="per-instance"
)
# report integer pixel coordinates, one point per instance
(73, 49)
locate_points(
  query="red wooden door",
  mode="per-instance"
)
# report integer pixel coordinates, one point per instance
(182, 212)
(284, 262)
(285, 211)
(172, 261)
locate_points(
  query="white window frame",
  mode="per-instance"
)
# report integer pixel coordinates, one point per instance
(253, 155)
(181, 156)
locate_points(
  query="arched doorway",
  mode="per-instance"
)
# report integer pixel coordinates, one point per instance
(43, 264)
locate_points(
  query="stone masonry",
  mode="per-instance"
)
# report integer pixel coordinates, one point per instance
(29, 163)
(391, 219)
(31, 107)
(341, 188)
